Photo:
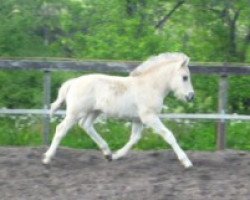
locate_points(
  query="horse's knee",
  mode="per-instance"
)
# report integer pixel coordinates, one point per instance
(160, 129)
(59, 135)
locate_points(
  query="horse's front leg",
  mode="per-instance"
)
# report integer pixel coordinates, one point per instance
(155, 123)
(137, 128)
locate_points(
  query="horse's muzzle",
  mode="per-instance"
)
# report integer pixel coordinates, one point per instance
(190, 96)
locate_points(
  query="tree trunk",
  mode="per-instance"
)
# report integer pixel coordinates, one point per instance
(233, 54)
(163, 21)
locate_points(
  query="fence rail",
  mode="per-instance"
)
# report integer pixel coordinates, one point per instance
(48, 66)
(201, 116)
(113, 66)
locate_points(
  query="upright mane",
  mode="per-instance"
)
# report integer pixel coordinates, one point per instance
(155, 60)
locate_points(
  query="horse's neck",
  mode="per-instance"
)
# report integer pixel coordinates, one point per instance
(159, 79)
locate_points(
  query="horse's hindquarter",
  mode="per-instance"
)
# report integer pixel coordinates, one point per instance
(80, 97)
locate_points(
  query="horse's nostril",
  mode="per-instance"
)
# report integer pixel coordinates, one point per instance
(190, 96)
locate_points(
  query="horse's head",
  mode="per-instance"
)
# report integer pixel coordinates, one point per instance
(176, 70)
(181, 83)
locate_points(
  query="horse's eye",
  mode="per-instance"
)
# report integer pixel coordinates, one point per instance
(185, 78)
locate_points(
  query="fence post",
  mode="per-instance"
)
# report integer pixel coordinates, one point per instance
(47, 98)
(222, 109)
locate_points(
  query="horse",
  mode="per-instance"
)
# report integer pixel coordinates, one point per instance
(138, 97)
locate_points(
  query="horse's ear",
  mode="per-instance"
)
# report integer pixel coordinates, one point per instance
(185, 62)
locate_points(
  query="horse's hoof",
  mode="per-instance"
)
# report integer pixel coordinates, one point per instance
(45, 160)
(187, 164)
(108, 157)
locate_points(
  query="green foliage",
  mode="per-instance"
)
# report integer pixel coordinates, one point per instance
(192, 135)
(19, 131)
(239, 96)
(16, 91)
(207, 31)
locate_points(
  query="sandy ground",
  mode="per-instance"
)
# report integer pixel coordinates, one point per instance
(152, 175)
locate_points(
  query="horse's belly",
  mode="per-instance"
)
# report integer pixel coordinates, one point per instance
(119, 107)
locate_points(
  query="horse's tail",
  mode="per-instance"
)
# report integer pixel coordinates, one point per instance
(62, 93)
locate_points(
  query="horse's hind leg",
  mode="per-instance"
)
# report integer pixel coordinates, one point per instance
(61, 131)
(137, 128)
(90, 130)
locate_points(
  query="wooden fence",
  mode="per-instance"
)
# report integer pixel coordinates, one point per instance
(47, 66)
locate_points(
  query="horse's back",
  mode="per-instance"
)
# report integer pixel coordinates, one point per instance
(108, 94)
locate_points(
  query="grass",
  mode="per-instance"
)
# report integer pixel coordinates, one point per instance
(191, 135)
